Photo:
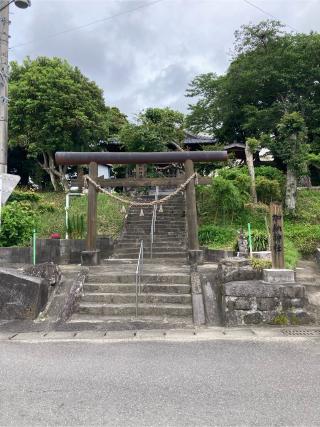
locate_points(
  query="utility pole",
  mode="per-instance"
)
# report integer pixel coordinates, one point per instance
(4, 76)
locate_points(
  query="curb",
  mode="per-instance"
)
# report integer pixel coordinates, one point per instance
(176, 335)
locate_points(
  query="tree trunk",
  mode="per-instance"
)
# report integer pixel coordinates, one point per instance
(47, 168)
(50, 167)
(249, 160)
(291, 191)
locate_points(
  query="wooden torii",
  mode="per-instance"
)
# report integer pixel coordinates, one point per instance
(187, 157)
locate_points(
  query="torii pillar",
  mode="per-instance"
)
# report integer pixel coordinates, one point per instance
(91, 255)
(195, 254)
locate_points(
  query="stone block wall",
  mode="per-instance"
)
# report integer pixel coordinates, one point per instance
(257, 302)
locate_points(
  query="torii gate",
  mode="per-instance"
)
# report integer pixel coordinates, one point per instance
(187, 157)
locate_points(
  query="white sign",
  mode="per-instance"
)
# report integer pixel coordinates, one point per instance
(8, 182)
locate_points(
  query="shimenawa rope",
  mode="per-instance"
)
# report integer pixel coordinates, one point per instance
(87, 179)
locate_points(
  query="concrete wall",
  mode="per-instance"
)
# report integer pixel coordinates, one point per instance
(59, 251)
(215, 255)
(21, 296)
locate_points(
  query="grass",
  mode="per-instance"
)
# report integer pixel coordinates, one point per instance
(52, 220)
(302, 230)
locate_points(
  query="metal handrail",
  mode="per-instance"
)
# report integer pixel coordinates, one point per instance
(153, 221)
(139, 273)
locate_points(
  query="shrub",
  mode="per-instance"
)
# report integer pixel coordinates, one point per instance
(23, 196)
(221, 200)
(215, 236)
(305, 237)
(260, 264)
(271, 173)
(280, 319)
(260, 240)
(268, 190)
(18, 222)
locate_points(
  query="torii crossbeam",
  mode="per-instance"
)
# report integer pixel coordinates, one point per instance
(94, 158)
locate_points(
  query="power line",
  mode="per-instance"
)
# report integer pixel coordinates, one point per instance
(89, 24)
(6, 5)
(269, 14)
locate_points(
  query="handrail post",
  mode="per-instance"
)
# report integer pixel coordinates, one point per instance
(153, 221)
(139, 272)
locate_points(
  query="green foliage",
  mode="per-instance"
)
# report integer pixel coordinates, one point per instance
(260, 241)
(76, 227)
(280, 319)
(290, 146)
(222, 199)
(18, 221)
(109, 219)
(23, 196)
(271, 173)
(253, 144)
(308, 207)
(291, 254)
(305, 237)
(217, 237)
(268, 190)
(260, 264)
(155, 130)
(263, 81)
(53, 106)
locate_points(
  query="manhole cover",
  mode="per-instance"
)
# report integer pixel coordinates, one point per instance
(301, 332)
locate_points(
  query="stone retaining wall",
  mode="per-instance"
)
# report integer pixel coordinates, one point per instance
(256, 302)
(59, 251)
(21, 296)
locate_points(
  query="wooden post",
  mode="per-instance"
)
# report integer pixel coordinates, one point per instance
(92, 209)
(191, 207)
(277, 243)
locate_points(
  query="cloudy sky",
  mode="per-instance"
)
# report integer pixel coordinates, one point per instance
(143, 53)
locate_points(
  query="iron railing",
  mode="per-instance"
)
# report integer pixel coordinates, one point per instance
(153, 221)
(139, 273)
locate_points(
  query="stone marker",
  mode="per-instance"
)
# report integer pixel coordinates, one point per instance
(278, 275)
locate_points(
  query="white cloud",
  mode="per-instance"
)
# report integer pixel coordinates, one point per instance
(146, 57)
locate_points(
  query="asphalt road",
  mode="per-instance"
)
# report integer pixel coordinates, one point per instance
(227, 383)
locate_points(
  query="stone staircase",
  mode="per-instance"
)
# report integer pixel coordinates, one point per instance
(170, 232)
(110, 290)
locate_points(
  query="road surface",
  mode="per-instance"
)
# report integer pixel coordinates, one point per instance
(227, 383)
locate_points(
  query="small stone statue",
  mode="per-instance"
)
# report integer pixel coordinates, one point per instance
(242, 243)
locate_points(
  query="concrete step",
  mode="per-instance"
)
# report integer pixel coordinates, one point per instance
(165, 245)
(173, 278)
(125, 288)
(85, 321)
(130, 298)
(159, 239)
(159, 233)
(156, 254)
(95, 309)
(146, 221)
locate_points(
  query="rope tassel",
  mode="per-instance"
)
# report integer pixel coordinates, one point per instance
(123, 209)
(141, 213)
(161, 208)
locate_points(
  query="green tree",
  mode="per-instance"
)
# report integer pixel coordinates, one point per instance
(53, 106)
(156, 129)
(292, 148)
(271, 74)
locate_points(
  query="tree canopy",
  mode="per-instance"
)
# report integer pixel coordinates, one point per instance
(271, 74)
(53, 106)
(155, 130)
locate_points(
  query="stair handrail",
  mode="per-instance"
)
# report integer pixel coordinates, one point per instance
(139, 273)
(153, 221)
